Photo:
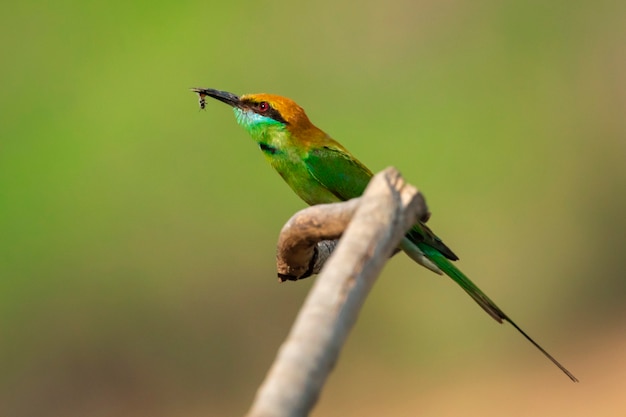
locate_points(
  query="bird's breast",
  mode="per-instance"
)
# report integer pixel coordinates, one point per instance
(291, 166)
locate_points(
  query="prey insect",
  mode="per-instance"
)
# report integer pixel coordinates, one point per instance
(201, 100)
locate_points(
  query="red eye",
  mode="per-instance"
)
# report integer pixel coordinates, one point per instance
(264, 106)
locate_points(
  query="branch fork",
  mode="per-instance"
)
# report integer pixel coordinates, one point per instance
(370, 227)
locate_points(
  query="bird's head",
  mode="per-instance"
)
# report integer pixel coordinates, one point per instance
(261, 112)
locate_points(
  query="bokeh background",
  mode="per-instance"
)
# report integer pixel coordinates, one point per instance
(137, 233)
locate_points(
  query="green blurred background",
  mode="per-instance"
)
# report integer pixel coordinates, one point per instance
(137, 233)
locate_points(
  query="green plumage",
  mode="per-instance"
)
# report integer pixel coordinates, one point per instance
(320, 170)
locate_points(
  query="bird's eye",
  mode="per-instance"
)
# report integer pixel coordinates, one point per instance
(264, 106)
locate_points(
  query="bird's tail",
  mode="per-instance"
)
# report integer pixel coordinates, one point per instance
(453, 272)
(481, 298)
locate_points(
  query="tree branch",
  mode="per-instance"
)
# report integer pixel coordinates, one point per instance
(388, 208)
(310, 236)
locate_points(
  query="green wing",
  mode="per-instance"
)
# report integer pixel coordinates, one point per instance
(338, 172)
(346, 177)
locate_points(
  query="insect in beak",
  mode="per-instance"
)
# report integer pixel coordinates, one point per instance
(201, 100)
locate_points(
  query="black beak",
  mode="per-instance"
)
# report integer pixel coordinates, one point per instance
(223, 96)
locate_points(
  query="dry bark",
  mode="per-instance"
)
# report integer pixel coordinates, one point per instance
(370, 228)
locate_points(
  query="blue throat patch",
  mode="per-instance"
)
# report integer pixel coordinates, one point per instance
(249, 119)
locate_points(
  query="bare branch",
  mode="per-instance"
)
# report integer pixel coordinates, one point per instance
(310, 236)
(309, 232)
(388, 208)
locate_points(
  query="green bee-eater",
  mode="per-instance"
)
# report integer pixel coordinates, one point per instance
(320, 170)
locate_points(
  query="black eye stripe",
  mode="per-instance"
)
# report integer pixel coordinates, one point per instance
(269, 112)
(274, 114)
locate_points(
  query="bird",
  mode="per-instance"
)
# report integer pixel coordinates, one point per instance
(320, 170)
